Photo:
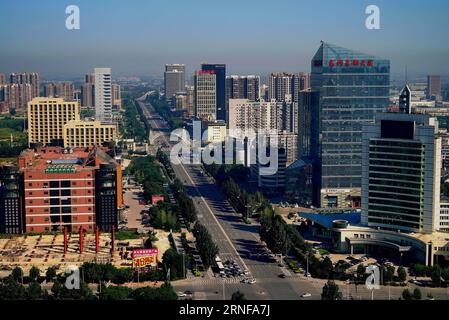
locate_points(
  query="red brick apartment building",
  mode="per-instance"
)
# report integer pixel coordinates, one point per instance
(75, 188)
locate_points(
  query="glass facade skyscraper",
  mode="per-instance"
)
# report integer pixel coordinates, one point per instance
(352, 88)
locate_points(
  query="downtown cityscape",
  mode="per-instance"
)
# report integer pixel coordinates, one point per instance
(224, 169)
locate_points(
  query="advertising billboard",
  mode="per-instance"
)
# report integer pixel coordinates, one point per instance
(144, 258)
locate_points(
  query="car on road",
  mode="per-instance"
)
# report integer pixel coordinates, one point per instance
(307, 274)
(182, 295)
(305, 295)
(282, 276)
(252, 281)
(188, 292)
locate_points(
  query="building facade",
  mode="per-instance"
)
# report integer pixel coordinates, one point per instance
(88, 133)
(352, 88)
(220, 88)
(103, 94)
(46, 120)
(401, 174)
(174, 79)
(64, 90)
(71, 188)
(205, 95)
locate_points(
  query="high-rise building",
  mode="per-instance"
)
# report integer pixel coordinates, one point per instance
(220, 91)
(242, 87)
(205, 95)
(73, 188)
(65, 90)
(281, 85)
(190, 101)
(401, 169)
(2, 79)
(88, 96)
(174, 79)
(46, 120)
(352, 88)
(116, 97)
(405, 99)
(433, 86)
(88, 133)
(27, 78)
(103, 94)
(11, 200)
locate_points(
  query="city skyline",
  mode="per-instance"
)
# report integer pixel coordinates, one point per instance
(139, 38)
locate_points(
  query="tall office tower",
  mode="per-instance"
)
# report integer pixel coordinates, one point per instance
(190, 100)
(46, 120)
(405, 99)
(87, 95)
(205, 95)
(174, 79)
(308, 124)
(220, 91)
(242, 87)
(401, 173)
(2, 79)
(301, 81)
(116, 97)
(76, 189)
(63, 90)
(103, 94)
(17, 96)
(88, 133)
(89, 78)
(27, 78)
(353, 87)
(433, 86)
(11, 205)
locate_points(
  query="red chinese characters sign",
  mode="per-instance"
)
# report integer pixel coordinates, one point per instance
(353, 62)
(143, 258)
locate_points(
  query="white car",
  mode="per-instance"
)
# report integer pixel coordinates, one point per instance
(181, 295)
(305, 295)
(307, 274)
(251, 281)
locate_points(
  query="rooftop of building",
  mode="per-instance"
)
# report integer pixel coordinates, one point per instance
(60, 160)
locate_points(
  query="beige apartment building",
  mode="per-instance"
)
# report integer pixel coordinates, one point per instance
(47, 117)
(88, 133)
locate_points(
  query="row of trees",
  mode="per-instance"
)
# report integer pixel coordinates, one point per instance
(439, 275)
(174, 118)
(147, 172)
(185, 203)
(133, 127)
(206, 246)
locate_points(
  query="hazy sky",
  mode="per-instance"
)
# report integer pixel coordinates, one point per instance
(137, 37)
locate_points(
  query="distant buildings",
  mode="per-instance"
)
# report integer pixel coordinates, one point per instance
(55, 188)
(243, 87)
(174, 79)
(63, 90)
(352, 88)
(103, 94)
(220, 88)
(434, 87)
(116, 97)
(88, 92)
(285, 84)
(17, 91)
(205, 95)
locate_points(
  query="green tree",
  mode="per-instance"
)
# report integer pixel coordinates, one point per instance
(10, 289)
(17, 274)
(417, 294)
(115, 293)
(34, 273)
(35, 291)
(238, 295)
(361, 272)
(331, 291)
(406, 295)
(50, 274)
(402, 274)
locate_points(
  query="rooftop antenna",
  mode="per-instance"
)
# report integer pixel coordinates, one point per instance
(406, 75)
